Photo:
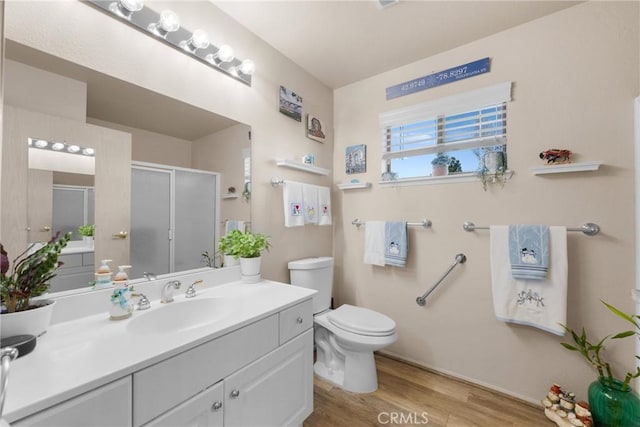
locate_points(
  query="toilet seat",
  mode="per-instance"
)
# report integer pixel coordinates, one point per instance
(361, 321)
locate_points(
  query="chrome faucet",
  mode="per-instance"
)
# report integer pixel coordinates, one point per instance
(149, 276)
(167, 291)
(191, 290)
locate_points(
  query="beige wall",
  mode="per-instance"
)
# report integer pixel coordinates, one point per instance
(575, 76)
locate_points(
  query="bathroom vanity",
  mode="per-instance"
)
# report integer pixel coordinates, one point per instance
(235, 355)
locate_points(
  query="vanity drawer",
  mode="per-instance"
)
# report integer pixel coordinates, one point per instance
(88, 258)
(295, 320)
(166, 384)
(70, 260)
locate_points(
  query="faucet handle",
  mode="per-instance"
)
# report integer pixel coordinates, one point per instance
(143, 301)
(191, 290)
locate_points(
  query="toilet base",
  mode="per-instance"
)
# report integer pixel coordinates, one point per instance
(360, 368)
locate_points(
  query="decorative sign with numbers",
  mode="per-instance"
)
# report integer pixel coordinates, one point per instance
(440, 78)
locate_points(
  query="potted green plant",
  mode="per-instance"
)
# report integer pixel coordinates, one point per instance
(87, 231)
(229, 248)
(249, 249)
(612, 401)
(440, 164)
(27, 278)
(493, 167)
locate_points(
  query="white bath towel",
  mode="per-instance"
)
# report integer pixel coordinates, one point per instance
(374, 238)
(292, 196)
(324, 205)
(233, 224)
(310, 203)
(538, 303)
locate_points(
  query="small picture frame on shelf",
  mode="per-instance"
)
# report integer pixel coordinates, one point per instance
(290, 104)
(356, 159)
(315, 128)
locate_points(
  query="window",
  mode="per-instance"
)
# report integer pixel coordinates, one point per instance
(455, 131)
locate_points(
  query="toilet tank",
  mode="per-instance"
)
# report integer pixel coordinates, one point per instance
(314, 273)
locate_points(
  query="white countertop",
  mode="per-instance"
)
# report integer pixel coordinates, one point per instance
(77, 356)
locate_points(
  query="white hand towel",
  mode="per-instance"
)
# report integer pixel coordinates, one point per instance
(538, 303)
(324, 205)
(374, 237)
(232, 224)
(292, 196)
(310, 203)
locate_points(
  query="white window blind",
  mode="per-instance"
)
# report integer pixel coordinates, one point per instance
(464, 121)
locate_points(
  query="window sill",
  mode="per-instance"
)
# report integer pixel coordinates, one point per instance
(430, 180)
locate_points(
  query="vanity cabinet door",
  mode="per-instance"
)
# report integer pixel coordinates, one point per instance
(275, 390)
(203, 410)
(109, 405)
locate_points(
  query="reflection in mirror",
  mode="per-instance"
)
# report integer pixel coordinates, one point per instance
(163, 131)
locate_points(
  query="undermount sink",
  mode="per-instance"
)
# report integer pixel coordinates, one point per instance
(181, 316)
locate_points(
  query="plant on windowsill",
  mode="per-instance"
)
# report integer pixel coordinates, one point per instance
(28, 278)
(611, 400)
(493, 165)
(440, 164)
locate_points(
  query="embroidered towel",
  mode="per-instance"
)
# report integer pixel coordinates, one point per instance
(233, 224)
(310, 203)
(538, 303)
(395, 245)
(292, 196)
(529, 251)
(374, 237)
(324, 205)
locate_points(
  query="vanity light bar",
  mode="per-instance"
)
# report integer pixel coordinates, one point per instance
(43, 144)
(165, 27)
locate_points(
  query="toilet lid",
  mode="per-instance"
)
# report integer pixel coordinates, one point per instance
(361, 321)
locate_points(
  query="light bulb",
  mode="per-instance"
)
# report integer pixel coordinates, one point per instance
(57, 146)
(248, 67)
(169, 22)
(224, 54)
(41, 143)
(73, 148)
(126, 8)
(198, 40)
(88, 151)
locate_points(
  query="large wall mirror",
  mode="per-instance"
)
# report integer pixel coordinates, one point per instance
(167, 135)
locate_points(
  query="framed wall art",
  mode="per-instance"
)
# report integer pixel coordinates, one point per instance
(290, 104)
(356, 159)
(315, 128)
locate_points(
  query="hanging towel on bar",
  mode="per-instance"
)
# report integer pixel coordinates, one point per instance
(538, 303)
(395, 244)
(529, 251)
(374, 238)
(310, 203)
(324, 204)
(233, 224)
(292, 196)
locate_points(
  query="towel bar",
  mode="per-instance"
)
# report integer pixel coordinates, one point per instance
(426, 223)
(588, 228)
(460, 259)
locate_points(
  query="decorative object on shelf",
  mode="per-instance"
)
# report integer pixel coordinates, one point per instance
(440, 165)
(231, 190)
(87, 232)
(166, 28)
(556, 156)
(309, 159)
(290, 104)
(314, 128)
(612, 401)
(561, 408)
(26, 279)
(356, 159)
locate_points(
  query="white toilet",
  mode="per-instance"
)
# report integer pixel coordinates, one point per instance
(346, 337)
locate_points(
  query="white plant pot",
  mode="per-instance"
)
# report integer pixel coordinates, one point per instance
(250, 266)
(29, 322)
(88, 242)
(230, 261)
(440, 170)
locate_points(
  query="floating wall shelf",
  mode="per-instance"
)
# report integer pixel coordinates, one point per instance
(231, 196)
(353, 185)
(567, 167)
(303, 167)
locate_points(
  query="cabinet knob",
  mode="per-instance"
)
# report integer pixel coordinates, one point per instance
(299, 319)
(216, 406)
(235, 393)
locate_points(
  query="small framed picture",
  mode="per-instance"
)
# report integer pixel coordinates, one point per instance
(290, 104)
(315, 128)
(356, 159)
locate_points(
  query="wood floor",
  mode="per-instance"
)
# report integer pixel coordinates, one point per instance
(410, 396)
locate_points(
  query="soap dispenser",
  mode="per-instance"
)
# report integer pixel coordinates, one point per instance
(103, 275)
(121, 305)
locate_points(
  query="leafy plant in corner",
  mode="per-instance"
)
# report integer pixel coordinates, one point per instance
(208, 259)
(87, 230)
(251, 245)
(592, 351)
(30, 274)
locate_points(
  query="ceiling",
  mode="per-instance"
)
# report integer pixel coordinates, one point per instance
(341, 42)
